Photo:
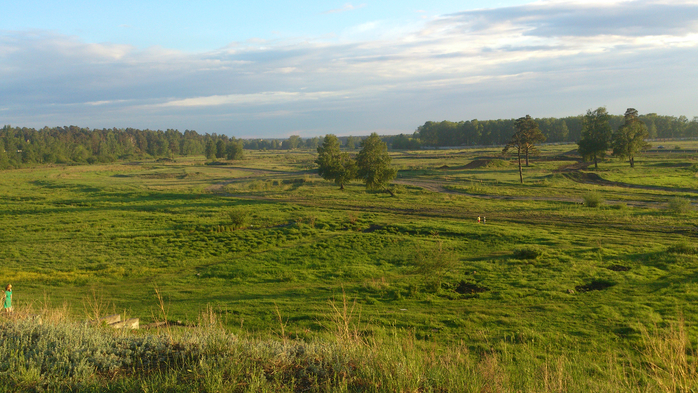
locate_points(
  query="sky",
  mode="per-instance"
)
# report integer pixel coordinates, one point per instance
(273, 69)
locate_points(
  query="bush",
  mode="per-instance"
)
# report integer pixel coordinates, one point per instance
(619, 206)
(238, 217)
(593, 199)
(528, 252)
(679, 205)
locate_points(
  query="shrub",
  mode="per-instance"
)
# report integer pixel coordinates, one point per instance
(593, 199)
(679, 205)
(238, 217)
(619, 206)
(528, 252)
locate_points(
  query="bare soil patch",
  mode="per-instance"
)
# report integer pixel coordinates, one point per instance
(618, 268)
(465, 288)
(594, 286)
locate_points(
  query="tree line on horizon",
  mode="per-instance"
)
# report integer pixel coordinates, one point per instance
(566, 129)
(20, 146)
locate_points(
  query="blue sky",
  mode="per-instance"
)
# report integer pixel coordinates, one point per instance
(273, 69)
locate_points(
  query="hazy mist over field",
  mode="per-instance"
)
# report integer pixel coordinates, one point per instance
(311, 68)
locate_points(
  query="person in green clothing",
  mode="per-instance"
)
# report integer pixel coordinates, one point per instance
(7, 299)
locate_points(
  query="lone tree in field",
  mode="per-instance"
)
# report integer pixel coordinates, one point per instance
(525, 137)
(373, 162)
(334, 165)
(596, 135)
(630, 137)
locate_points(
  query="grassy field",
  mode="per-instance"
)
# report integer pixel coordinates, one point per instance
(546, 275)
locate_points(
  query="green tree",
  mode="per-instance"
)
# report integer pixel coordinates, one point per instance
(210, 149)
(234, 150)
(220, 148)
(373, 162)
(629, 139)
(596, 135)
(4, 160)
(560, 131)
(525, 137)
(334, 165)
(351, 142)
(293, 142)
(312, 143)
(531, 133)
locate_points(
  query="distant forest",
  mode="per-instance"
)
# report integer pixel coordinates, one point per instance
(74, 145)
(498, 132)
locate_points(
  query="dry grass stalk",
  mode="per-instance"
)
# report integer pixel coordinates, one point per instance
(345, 319)
(95, 306)
(670, 358)
(163, 312)
(282, 324)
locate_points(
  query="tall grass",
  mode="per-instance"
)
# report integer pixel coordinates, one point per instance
(73, 356)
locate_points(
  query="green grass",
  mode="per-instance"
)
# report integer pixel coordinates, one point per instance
(119, 232)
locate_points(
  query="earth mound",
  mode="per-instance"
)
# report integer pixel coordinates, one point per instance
(484, 163)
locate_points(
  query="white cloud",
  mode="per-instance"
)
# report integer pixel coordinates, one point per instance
(546, 54)
(264, 98)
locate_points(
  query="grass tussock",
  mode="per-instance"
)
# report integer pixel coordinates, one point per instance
(684, 248)
(679, 205)
(528, 252)
(593, 199)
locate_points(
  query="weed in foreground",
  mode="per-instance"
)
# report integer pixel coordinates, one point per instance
(344, 321)
(671, 360)
(80, 357)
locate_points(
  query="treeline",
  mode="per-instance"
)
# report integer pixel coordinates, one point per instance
(76, 145)
(20, 146)
(498, 132)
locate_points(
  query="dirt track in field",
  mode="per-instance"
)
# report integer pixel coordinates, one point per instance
(254, 174)
(572, 172)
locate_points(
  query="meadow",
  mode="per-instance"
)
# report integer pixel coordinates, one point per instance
(271, 252)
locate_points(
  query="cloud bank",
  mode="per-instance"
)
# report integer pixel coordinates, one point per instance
(543, 59)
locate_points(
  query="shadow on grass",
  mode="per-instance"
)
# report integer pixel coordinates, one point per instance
(98, 200)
